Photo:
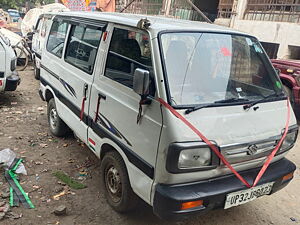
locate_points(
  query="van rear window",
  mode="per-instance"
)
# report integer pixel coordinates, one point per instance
(57, 37)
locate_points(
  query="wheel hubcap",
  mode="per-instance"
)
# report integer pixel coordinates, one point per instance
(53, 118)
(113, 183)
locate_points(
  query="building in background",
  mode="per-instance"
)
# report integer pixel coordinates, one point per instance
(275, 22)
(79, 5)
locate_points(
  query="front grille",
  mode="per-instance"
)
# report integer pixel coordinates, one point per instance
(239, 153)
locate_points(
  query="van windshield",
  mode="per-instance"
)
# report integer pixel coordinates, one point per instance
(205, 68)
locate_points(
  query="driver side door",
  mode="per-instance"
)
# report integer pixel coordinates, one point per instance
(115, 106)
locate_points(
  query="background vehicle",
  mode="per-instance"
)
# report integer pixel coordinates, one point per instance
(9, 78)
(290, 77)
(14, 14)
(38, 40)
(21, 47)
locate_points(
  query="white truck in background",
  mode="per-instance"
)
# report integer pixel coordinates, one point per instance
(9, 78)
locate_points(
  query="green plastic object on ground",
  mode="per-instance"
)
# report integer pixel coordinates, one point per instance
(68, 180)
(17, 194)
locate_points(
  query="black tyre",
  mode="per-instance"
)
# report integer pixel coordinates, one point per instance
(115, 182)
(57, 126)
(37, 72)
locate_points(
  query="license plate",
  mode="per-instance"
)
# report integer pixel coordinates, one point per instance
(244, 196)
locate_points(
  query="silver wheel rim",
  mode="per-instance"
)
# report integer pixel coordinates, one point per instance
(53, 118)
(113, 183)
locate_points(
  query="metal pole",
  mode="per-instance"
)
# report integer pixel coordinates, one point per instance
(199, 11)
(127, 6)
(168, 6)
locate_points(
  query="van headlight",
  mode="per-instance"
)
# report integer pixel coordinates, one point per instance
(189, 157)
(194, 158)
(289, 140)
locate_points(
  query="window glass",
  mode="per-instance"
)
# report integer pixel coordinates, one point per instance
(208, 67)
(38, 25)
(57, 37)
(82, 47)
(46, 22)
(128, 51)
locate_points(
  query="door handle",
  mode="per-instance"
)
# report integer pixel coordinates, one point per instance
(100, 96)
(85, 88)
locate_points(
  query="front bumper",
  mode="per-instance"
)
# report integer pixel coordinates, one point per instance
(12, 82)
(168, 198)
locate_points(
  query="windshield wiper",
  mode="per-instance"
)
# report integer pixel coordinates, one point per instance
(229, 100)
(248, 106)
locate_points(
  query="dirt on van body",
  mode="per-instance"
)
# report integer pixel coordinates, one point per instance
(24, 129)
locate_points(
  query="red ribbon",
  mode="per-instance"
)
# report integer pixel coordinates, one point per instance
(216, 150)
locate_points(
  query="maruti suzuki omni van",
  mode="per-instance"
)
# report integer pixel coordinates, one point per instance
(125, 84)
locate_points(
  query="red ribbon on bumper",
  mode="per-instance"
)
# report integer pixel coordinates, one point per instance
(216, 150)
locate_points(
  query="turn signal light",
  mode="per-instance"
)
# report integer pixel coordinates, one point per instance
(192, 204)
(288, 176)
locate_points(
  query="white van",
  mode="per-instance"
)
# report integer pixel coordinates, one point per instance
(9, 78)
(38, 39)
(127, 86)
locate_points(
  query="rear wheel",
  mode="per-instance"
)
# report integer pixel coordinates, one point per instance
(57, 126)
(115, 182)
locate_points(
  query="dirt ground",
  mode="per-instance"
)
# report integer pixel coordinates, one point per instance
(24, 129)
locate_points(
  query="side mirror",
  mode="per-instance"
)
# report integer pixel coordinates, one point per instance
(141, 82)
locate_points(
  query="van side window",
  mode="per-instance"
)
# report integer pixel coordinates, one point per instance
(128, 51)
(38, 25)
(82, 47)
(57, 37)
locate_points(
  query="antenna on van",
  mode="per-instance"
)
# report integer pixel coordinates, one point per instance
(122, 10)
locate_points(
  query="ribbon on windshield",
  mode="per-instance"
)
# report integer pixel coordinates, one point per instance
(218, 153)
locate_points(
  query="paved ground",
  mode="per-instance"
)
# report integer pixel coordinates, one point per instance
(24, 129)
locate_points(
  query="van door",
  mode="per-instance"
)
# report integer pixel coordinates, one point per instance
(74, 75)
(115, 107)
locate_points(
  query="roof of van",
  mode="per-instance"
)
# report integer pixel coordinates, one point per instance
(158, 23)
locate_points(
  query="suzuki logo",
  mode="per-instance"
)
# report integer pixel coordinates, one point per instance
(252, 149)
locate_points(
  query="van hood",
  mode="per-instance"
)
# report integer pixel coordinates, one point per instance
(233, 125)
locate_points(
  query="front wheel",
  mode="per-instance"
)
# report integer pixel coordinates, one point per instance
(115, 182)
(57, 126)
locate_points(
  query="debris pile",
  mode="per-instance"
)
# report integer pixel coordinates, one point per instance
(12, 166)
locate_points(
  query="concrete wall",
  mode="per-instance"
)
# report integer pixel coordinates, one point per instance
(281, 33)
(275, 32)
